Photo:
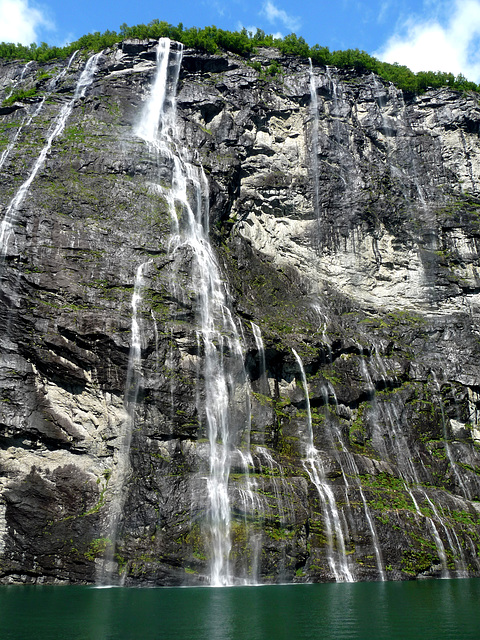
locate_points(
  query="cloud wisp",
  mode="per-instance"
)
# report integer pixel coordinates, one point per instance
(20, 21)
(450, 45)
(275, 15)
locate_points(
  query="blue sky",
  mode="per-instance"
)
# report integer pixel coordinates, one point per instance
(422, 34)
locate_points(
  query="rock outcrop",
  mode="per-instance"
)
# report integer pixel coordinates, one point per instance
(345, 221)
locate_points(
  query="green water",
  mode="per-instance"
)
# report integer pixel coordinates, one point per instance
(443, 609)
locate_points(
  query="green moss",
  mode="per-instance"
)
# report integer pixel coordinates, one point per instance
(190, 571)
(415, 561)
(332, 377)
(196, 541)
(464, 517)
(394, 320)
(104, 480)
(357, 432)
(387, 493)
(44, 75)
(280, 533)
(468, 467)
(19, 96)
(98, 548)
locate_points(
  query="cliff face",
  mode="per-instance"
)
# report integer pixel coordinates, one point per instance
(265, 369)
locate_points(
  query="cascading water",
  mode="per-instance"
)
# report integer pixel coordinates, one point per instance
(225, 408)
(36, 111)
(251, 505)
(335, 114)
(337, 556)
(135, 355)
(314, 138)
(404, 457)
(324, 322)
(24, 70)
(349, 468)
(132, 386)
(448, 451)
(85, 80)
(263, 381)
(284, 509)
(261, 386)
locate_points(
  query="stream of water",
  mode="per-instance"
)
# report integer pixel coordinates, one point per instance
(84, 81)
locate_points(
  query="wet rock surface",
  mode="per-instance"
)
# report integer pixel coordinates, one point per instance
(345, 227)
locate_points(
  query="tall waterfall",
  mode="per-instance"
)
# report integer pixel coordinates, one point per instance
(337, 556)
(225, 406)
(85, 80)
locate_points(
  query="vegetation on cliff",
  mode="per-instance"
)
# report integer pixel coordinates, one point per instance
(211, 39)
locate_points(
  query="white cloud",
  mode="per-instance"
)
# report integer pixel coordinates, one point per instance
(274, 14)
(219, 6)
(20, 21)
(450, 45)
(253, 31)
(250, 29)
(384, 8)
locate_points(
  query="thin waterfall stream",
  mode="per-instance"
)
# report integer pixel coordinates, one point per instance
(132, 387)
(351, 473)
(28, 118)
(85, 80)
(411, 479)
(337, 555)
(314, 138)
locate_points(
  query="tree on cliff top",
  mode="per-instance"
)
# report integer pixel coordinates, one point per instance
(243, 42)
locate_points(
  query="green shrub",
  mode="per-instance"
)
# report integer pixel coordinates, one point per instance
(212, 39)
(18, 96)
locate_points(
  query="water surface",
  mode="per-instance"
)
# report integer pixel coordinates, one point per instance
(437, 609)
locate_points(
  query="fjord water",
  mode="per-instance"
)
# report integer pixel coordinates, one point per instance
(434, 609)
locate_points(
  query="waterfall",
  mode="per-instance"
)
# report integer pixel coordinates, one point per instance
(85, 80)
(353, 472)
(337, 556)
(284, 511)
(263, 380)
(225, 406)
(122, 470)
(314, 137)
(25, 123)
(135, 355)
(27, 120)
(24, 70)
(410, 476)
(250, 504)
(324, 323)
(448, 451)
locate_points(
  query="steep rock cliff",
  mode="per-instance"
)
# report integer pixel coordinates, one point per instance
(344, 217)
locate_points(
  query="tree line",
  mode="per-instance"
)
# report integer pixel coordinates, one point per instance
(212, 40)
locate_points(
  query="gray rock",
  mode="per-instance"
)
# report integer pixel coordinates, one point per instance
(350, 235)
